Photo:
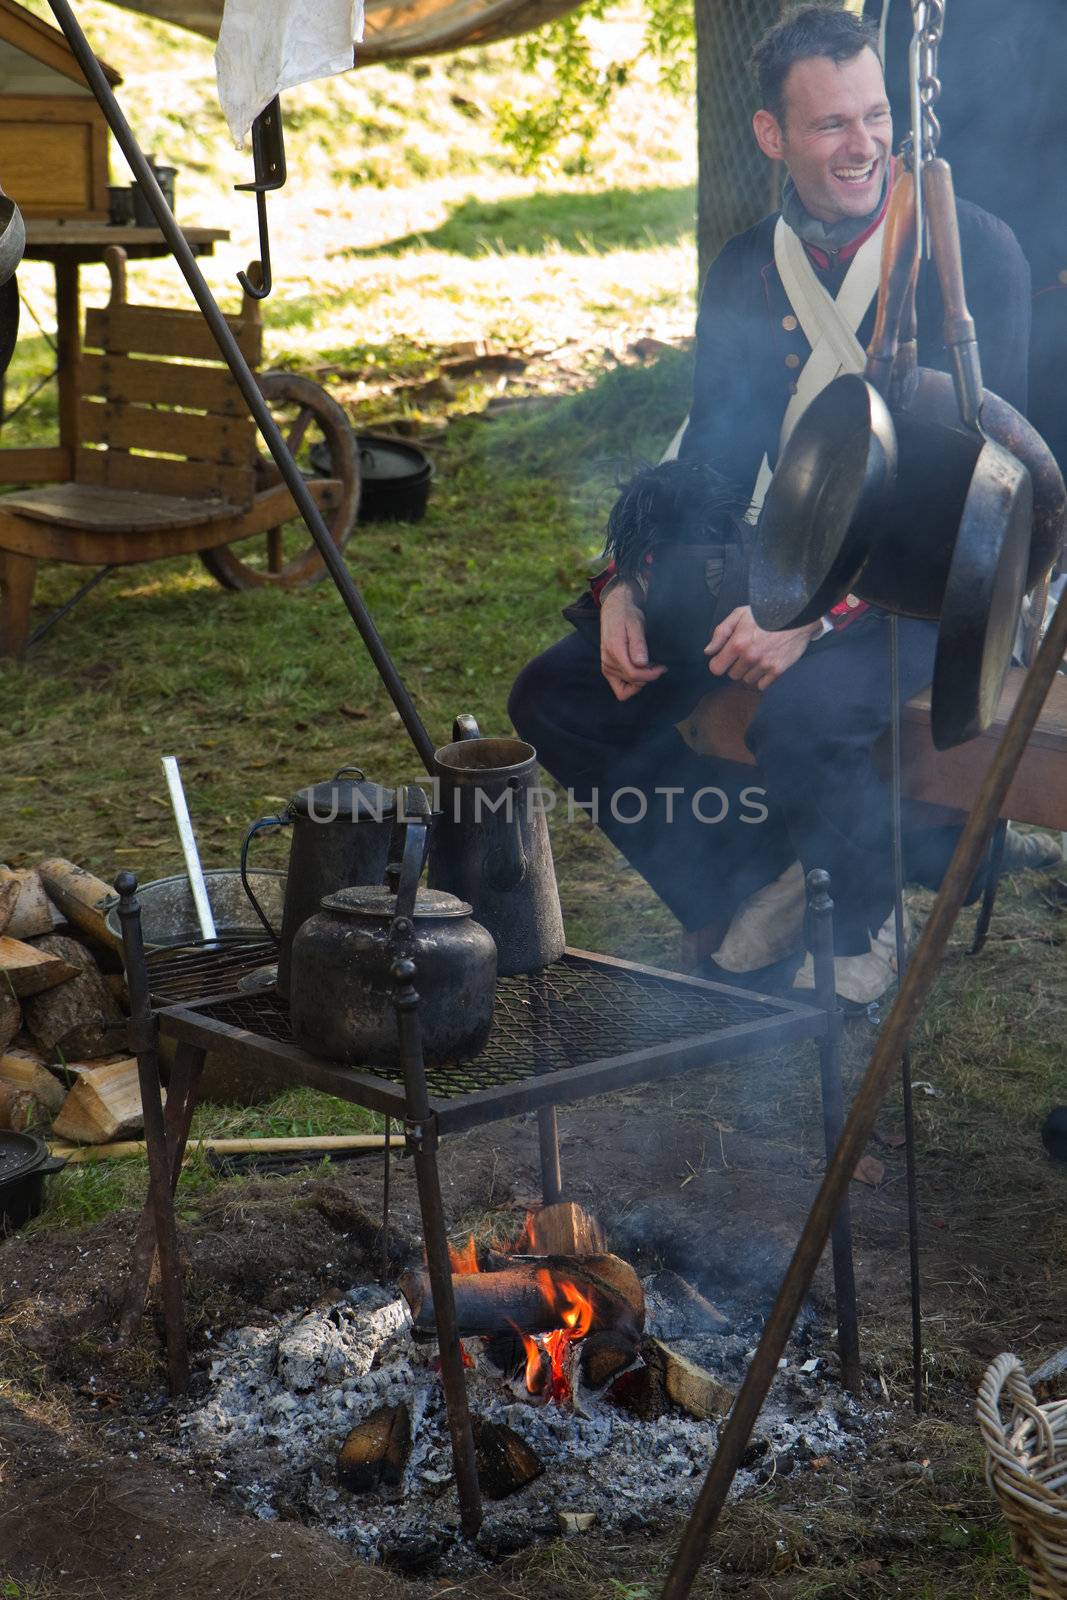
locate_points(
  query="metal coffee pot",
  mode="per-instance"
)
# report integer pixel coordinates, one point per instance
(341, 834)
(490, 845)
(342, 967)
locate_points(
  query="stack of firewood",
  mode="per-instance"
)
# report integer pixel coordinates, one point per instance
(64, 1060)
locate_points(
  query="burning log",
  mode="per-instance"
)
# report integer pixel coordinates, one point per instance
(604, 1355)
(505, 1461)
(376, 1450)
(670, 1379)
(564, 1229)
(682, 1294)
(535, 1294)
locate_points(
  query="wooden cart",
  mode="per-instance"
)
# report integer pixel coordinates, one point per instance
(167, 461)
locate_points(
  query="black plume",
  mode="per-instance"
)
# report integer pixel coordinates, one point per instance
(677, 502)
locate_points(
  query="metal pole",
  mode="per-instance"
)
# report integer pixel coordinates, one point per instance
(548, 1140)
(821, 918)
(422, 1141)
(910, 1169)
(245, 380)
(914, 988)
(386, 1187)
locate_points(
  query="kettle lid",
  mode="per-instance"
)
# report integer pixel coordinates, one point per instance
(345, 798)
(379, 901)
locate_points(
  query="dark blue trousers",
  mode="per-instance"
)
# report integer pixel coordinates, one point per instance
(724, 829)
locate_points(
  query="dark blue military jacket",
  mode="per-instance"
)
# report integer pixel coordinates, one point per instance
(750, 347)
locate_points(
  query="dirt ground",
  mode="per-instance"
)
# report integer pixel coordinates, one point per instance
(711, 1174)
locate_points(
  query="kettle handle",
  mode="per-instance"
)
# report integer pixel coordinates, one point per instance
(465, 727)
(512, 862)
(257, 827)
(417, 810)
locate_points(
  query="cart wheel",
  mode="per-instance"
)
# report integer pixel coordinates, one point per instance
(286, 556)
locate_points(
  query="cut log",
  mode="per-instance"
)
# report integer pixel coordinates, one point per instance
(530, 1295)
(22, 1069)
(504, 1460)
(564, 1229)
(27, 969)
(80, 897)
(604, 1355)
(10, 1017)
(29, 911)
(79, 1018)
(640, 1392)
(686, 1384)
(681, 1294)
(376, 1450)
(105, 1102)
(18, 1109)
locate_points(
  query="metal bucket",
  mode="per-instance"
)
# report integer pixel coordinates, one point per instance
(168, 915)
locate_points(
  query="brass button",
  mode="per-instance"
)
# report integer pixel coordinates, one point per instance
(789, 324)
(792, 360)
(1062, 276)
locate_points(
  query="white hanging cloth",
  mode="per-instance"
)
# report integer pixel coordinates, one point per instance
(265, 48)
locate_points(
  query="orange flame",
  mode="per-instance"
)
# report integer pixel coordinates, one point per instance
(464, 1262)
(575, 1312)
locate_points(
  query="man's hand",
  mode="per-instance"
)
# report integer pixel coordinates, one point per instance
(623, 651)
(749, 655)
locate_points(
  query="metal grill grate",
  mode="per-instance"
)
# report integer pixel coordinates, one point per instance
(574, 1012)
(198, 971)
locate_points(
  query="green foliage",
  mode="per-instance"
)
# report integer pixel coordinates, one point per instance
(579, 85)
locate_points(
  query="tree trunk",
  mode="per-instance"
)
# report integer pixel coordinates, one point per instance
(736, 185)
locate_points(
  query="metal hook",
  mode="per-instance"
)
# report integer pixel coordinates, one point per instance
(268, 161)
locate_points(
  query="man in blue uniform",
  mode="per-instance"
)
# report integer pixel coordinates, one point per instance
(603, 719)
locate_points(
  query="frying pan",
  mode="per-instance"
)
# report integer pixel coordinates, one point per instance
(838, 466)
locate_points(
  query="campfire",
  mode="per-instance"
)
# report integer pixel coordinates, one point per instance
(534, 1306)
(596, 1399)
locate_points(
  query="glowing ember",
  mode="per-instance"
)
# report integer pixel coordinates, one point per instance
(465, 1261)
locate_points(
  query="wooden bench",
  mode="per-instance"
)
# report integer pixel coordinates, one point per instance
(943, 779)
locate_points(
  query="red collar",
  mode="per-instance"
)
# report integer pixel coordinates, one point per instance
(821, 258)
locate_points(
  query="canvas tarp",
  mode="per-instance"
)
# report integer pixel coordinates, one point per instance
(394, 28)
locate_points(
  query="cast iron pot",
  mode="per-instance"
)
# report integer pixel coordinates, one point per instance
(395, 477)
(24, 1163)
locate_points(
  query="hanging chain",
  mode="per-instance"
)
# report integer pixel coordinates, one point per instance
(929, 21)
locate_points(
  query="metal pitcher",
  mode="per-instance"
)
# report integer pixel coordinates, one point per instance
(490, 845)
(341, 834)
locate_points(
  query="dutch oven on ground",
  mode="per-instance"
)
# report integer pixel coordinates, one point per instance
(395, 477)
(24, 1161)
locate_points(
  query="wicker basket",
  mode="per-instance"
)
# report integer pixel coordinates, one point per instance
(1026, 1466)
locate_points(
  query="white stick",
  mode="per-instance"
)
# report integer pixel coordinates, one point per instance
(189, 851)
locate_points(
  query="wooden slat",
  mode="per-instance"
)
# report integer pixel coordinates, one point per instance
(171, 383)
(88, 508)
(229, 441)
(155, 331)
(35, 464)
(154, 475)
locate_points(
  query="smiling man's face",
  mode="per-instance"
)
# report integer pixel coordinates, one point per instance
(836, 135)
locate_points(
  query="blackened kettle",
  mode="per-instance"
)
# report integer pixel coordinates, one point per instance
(341, 834)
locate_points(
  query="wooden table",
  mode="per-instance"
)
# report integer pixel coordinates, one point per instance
(68, 246)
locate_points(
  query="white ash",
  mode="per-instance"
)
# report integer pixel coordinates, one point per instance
(282, 1399)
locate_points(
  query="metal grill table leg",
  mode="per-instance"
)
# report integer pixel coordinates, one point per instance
(181, 1102)
(821, 912)
(548, 1140)
(161, 1199)
(422, 1141)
